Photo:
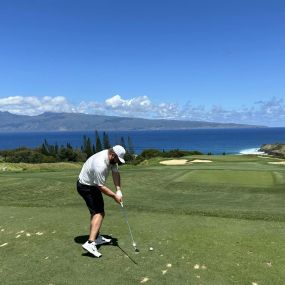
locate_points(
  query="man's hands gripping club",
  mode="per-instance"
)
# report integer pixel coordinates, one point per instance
(119, 194)
(110, 193)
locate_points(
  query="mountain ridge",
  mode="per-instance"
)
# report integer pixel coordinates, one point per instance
(50, 121)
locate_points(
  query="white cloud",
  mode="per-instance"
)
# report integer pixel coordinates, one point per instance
(133, 107)
(167, 111)
(270, 112)
(34, 105)
(90, 108)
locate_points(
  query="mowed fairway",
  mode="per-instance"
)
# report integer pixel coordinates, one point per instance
(215, 223)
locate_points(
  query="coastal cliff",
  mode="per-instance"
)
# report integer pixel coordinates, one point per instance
(277, 149)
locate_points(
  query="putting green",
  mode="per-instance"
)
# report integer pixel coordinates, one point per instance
(231, 177)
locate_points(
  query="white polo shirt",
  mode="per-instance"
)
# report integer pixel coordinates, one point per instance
(96, 169)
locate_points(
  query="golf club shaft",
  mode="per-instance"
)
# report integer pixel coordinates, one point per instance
(126, 218)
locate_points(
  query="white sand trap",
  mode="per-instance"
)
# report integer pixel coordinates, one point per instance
(174, 162)
(169, 265)
(39, 233)
(144, 280)
(201, 160)
(4, 244)
(277, 162)
(164, 272)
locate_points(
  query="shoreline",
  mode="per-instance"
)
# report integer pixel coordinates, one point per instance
(255, 151)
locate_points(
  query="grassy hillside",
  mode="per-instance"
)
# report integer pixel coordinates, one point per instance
(215, 223)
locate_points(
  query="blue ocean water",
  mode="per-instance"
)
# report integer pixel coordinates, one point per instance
(216, 141)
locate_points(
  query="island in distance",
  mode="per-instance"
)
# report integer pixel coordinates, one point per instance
(78, 121)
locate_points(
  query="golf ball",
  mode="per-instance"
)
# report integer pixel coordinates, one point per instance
(151, 248)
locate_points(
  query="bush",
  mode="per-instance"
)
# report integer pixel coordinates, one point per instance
(150, 153)
(27, 156)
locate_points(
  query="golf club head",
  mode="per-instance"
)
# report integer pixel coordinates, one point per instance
(135, 247)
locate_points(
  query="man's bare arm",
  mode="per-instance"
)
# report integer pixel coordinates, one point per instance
(117, 179)
(110, 193)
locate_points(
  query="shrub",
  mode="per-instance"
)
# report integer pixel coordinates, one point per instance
(27, 156)
(150, 153)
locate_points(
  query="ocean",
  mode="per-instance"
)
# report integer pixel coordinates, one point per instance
(215, 141)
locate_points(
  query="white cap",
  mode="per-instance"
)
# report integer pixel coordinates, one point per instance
(120, 152)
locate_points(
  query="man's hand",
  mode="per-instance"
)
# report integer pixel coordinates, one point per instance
(119, 193)
(118, 199)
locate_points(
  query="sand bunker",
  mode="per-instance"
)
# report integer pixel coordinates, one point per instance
(174, 162)
(183, 161)
(277, 162)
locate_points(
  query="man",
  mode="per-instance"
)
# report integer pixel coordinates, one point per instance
(91, 185)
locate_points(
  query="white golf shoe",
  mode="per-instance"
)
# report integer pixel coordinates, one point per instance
(101, 240)
(91, 248)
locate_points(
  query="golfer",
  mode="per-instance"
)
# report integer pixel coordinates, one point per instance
(91, 185)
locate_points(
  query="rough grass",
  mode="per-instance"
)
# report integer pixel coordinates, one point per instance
(12, 167)
(205, 227)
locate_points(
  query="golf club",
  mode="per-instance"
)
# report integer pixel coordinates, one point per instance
(126, 218)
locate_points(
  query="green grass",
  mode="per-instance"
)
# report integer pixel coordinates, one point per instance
(227, 217)
(230, 177)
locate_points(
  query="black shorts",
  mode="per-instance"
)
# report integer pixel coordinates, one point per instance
(92, 196)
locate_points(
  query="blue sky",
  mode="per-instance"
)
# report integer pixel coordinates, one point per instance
(214, 60)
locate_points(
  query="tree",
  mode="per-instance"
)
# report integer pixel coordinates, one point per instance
(98, 143)
(131, 149)
(87, 148)
(122, 143)
(49, 149)
(44, 148)
(106, 141)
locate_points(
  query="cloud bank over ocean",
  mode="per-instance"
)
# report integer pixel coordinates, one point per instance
(269, 113)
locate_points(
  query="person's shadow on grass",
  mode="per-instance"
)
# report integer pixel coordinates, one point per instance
(114, 242)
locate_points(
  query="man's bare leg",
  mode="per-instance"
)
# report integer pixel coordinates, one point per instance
(95, 225)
